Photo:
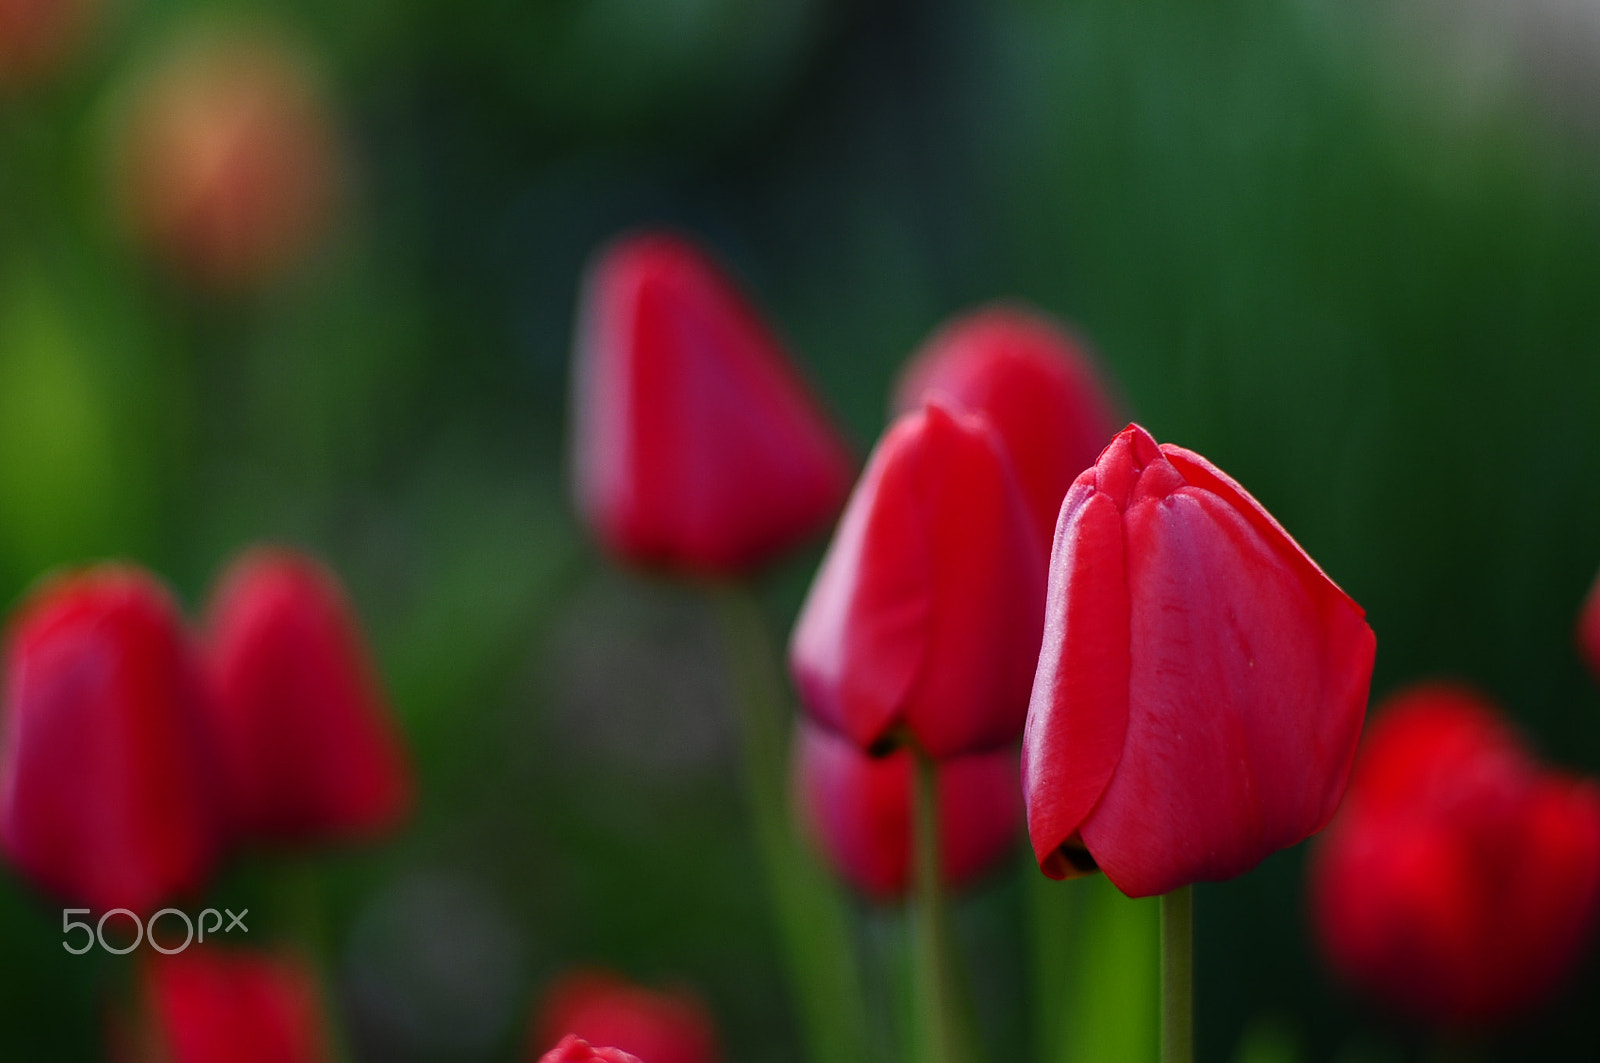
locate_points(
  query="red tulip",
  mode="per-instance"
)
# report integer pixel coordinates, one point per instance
(208, 1005)
(37, 35)
(1588, 630)
(228, 160)
(306, 739)
(1461, 880)
(696, 446)
(105, 794)
(1037, 385)
(857, 809)
(660, 1026)
(1202, 682)
(574, 1049)
(925, 616)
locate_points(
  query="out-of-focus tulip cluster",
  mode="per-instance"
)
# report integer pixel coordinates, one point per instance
(1461, 879)
(310, 273)
(133, 758)
(136, 755)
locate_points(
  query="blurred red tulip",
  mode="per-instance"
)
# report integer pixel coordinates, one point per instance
(36, 36)
(228, 160)
(307, 742)
(1202, 683)
(106, 796)
(1460, 881)
(1037, 385)
(924, 619)
(574, 1049)
(209, 1005)
(695, 445)
(1588, 630)
(660, 1026)
(857, 808)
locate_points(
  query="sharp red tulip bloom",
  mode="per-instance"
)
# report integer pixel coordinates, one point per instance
(857, 809)
(1037, 385)
(106, 798)
(659, 1026)
(924, 619)
(574, 1049)
(206, 1005)
(1202, 683)
(1461, 879)
(696, 447)
(306, 740)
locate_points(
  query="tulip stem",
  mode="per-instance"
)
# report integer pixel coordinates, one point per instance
(1177, 976)
(813, 921)
(937, 1005)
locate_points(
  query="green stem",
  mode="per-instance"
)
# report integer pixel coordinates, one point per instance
(1177, 976)
(935, 1000)
(302, 909)
(813, 921)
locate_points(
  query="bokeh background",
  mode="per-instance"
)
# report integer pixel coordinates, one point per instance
(1349, 250)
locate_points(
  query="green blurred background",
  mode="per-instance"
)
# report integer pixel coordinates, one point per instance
(1348, 250)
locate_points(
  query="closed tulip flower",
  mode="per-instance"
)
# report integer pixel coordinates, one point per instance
(661, 1026)
(209, 1005)
(924, 620)
(857, 809)
(574, 1049)
(227, 160)
(1202, 682)
(307, 742)
(1037, 385)
(696, 447)
(1461, 880)
(106, 798)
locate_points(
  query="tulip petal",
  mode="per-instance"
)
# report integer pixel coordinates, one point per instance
(927, 609)
(860, 639)
(107, 797)
(1247, 688)
(1078, 716)
(857, 809)
(985, 619)
(1037, 384)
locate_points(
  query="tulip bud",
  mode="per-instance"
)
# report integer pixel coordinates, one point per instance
(924, 619)
(227, 160)
(1035, 382)
(36, 36)
(573, 1049)
(1460, 880)
(308, 744)
(670, 1026)
(695, 445)
(105, 794)
(1202, 683)
(857, 810)
(209, 1005)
